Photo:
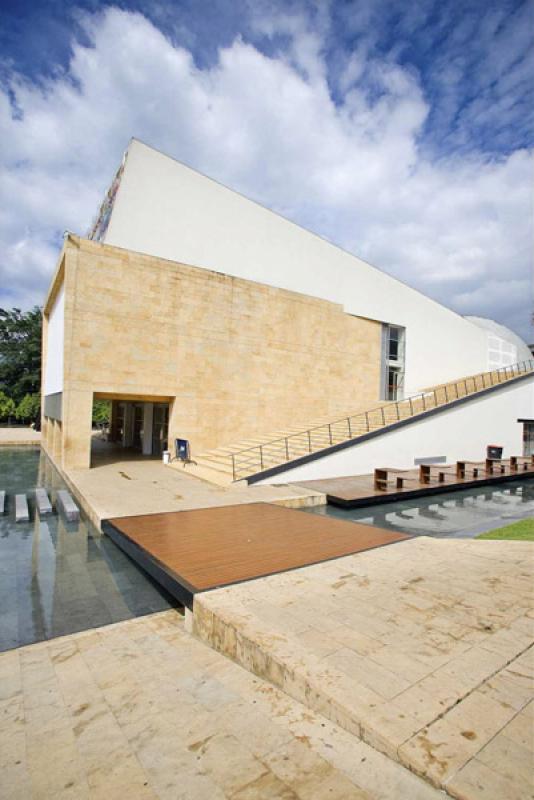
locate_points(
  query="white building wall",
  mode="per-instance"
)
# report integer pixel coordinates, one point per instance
(166, 209)
(53, 381)
(504, 346)
(460, 433)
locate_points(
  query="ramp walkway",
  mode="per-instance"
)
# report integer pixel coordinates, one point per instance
(264, 456)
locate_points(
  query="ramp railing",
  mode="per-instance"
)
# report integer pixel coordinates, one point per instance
(288, 448)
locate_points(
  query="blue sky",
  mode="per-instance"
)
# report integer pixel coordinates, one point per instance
(402, 132)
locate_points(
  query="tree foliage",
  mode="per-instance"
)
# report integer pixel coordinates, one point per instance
(7, 406)
(29, 408)
(20, 352)
(101, 412)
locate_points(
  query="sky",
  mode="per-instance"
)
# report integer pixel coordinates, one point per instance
(402, 132)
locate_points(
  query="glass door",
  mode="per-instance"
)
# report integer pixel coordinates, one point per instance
(160, 428)
(138, 426)
(528, 438)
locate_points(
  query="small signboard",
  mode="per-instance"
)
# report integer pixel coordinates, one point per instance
(494, 451)
(182, 449)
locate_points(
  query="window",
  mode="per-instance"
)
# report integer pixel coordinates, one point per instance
(392, 362)
(393, 344)
(528, 438)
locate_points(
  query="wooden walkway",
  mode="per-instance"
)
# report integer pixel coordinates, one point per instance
(387, 484)
(193, 551)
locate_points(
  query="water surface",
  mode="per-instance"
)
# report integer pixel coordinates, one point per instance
(58, 577)
(464, 513)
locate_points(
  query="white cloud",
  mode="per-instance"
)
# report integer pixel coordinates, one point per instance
(269, 127)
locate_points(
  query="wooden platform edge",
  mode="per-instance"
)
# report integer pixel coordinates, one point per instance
(423, 491)
(184, 592)
(174, 584)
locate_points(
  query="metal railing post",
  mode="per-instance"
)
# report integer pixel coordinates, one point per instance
(309, 441)
(446, 395)
(383, 417)
(367, 420)
(330, 432)
(411, 406)
(287, 449)
(350, 429)
(233, 467)
(398, 413)
(424, 401)
(261, 456)
(435, 399)
(466, 389)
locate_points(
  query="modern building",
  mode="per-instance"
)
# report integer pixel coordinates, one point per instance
(202, 315)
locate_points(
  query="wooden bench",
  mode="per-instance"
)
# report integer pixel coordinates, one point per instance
(382, 478)
(521, 463)
(442, 472)
(463, 468)
(495, 466)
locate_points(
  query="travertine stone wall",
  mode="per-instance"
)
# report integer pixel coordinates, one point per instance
(239, 358)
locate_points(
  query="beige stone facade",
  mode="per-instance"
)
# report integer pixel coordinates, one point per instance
(232, 357)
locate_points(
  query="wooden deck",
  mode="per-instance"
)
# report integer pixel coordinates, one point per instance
(359, 491)
(194, 551)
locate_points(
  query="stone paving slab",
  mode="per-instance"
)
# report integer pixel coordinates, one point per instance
(424, 649)
(142, 710)
(19, 437)
(131, 487)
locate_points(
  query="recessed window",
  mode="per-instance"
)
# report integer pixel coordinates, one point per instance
(392, 362)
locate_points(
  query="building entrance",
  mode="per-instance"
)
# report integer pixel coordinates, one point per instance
(139, 426)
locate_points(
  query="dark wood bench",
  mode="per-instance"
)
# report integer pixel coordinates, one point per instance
(383, 475)
(463, 468)
(521, 463)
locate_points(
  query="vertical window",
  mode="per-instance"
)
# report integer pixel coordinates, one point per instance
(528, 438)
(392, 362)
(393, 344)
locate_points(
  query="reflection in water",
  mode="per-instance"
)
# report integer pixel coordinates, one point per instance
(458, 514)
(58, 577)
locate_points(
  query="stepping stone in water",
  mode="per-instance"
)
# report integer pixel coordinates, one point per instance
(67, 505)
(44, 505)
(22, 513)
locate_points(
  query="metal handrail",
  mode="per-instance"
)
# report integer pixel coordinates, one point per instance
(261, 450)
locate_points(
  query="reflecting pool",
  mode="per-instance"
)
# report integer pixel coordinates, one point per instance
(58, 577)
(465, 513)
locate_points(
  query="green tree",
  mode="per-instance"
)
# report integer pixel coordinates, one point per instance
(101, 412)
(7, 406)
(20, 352)
(29, 408)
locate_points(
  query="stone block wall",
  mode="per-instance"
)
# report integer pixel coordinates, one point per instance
(237, 358)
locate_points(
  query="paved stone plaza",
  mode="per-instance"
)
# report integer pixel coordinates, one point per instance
(19, 436)
(424, 649)
(142, 710)
(136, 486)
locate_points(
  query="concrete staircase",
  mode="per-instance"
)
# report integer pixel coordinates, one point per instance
(240, 460)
